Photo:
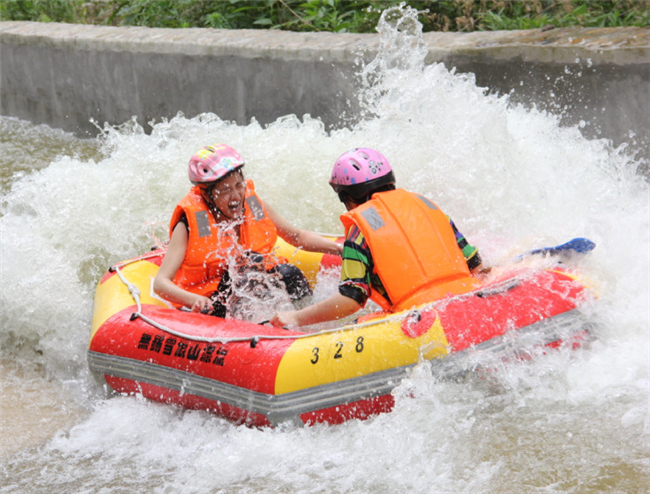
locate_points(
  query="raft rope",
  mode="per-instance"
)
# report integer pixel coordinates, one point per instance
(134, 291)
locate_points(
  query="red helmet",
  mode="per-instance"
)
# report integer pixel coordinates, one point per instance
(212, 163)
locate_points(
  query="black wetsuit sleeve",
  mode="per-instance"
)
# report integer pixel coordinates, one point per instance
(474, 261)
(183, 219)
(356, 294)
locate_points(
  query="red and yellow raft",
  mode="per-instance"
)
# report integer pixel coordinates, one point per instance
(265, 376)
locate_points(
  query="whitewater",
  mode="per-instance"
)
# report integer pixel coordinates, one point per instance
(511, 177)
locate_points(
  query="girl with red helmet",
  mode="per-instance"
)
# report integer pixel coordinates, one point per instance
(222, 217)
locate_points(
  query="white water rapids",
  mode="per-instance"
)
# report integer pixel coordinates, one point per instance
(511, 178)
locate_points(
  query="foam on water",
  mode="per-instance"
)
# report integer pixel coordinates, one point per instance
(511, 178)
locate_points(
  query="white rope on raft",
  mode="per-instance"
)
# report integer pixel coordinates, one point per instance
(135, 294)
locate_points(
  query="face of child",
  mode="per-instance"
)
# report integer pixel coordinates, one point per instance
(228, 196)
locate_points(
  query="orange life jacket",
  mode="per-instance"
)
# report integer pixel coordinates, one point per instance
(210, 246)
(413, 247)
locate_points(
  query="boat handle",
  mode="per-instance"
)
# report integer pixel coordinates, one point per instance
(503, 287)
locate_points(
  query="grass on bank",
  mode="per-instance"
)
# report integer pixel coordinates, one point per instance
(358, 16)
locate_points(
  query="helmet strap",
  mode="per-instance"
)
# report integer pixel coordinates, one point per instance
(206, 193)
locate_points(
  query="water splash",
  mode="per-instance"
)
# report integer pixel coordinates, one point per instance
(511, 178)
(255, 293)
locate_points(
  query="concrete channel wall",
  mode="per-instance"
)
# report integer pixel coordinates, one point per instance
(64, 75)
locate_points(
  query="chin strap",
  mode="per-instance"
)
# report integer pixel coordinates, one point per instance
(212, 207)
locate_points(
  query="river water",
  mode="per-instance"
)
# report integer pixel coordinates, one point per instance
(512, 179)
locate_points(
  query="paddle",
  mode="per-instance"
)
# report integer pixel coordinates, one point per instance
(576, 245)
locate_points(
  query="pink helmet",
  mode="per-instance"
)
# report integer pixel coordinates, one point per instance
(361, 171)
(212, 163)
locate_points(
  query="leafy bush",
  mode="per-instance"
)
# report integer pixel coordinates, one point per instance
(39, 10)
(532, 15)
(332, 15)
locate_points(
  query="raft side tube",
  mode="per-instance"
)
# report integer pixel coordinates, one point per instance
(307, 403)
(112, 294)
(277, 408)
(266, 376)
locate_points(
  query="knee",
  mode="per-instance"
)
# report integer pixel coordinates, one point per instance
(295, 281)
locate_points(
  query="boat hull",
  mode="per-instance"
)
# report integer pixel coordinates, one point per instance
(264, 376)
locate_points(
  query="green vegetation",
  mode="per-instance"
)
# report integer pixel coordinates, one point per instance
(358, 16)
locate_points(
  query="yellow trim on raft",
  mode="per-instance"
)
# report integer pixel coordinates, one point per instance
(113, 295)
(353, 352)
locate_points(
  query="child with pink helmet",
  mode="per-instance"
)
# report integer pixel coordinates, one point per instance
(400, 249)
(220, 217)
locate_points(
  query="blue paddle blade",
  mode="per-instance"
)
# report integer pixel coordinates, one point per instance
(577, 245)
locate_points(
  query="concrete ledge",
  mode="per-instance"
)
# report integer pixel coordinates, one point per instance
(607, 45)
(619, 46)
(64, 74)
(244, 43)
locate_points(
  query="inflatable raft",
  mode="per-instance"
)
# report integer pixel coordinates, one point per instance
(264, 376)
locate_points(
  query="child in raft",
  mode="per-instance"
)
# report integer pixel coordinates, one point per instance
(400, 249)
(222, 219)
